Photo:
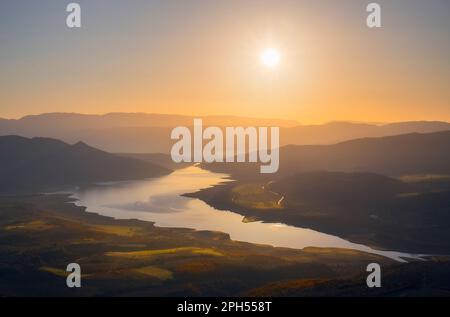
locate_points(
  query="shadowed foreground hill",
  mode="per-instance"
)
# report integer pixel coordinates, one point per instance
(40, 235)
(40, 163)
(364, 208)
(418, 279)
(340, 190)
(395, 155)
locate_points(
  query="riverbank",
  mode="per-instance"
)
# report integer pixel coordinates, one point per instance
(161, 201)
(359, 227)
(41, 234)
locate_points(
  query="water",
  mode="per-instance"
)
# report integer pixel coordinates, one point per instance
(159, 200)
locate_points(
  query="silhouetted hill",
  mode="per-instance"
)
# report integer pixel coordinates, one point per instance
(395, 155)
(364, 208)
(415, 279)
(41, 163)
(332, 189)
(150, 133)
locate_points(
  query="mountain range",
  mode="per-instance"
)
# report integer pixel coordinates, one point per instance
(150, 133)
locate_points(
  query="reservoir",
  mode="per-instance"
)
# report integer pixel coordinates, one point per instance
(160, 200)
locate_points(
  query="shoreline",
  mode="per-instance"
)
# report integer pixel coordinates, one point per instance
(232, 224)
(219, 197)
(139, 258)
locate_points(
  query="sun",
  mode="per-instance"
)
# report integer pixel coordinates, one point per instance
(270, 57)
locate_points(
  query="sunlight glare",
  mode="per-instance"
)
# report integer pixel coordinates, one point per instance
(270, 57)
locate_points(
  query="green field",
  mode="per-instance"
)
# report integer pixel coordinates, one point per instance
(256, 196)
(40, 235)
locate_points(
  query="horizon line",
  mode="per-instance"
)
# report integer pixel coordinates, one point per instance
(297, 123)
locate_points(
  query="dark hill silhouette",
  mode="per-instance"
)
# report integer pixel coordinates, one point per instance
(395, 155)
(361, 207)
(345, 190)
(41, 163)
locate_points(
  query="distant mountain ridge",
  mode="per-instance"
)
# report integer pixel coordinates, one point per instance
(122, 119)
(150, 133)
(335, 132)
(42, 163)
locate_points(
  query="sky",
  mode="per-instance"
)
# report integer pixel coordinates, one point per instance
(202, 57)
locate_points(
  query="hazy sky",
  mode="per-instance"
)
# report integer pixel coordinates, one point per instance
(201, 57)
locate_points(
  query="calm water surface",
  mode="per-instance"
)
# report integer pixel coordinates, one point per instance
(159, 200)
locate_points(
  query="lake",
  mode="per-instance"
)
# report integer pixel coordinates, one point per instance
(160, 200)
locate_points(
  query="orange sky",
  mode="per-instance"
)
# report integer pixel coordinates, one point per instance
(200, 58)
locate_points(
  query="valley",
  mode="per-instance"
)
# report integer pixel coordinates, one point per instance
(139, 224)
(370, 209)
(41, 234)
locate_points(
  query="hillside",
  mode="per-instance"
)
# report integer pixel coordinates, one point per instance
(364, 208)
(41, 163)
(395, 155)
(40, 234)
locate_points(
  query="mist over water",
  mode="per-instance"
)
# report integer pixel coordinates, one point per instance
(159, 200)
